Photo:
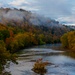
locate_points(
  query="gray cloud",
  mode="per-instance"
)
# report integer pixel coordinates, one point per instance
(54, 8)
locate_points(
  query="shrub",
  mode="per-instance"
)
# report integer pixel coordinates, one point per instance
(39, 67)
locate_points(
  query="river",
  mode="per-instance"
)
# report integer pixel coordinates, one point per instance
(64, 62)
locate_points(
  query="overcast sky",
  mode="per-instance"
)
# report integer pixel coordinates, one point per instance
(61, 10)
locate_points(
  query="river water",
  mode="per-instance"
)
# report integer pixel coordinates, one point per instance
(64, 62)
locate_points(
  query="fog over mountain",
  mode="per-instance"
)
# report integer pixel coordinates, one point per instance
(20, 16)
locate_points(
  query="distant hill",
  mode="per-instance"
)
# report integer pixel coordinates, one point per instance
(20, 17)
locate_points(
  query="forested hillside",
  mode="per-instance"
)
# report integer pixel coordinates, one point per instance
(19, 17)
(14, 38)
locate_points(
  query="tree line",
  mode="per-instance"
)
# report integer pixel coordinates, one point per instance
(14, 38)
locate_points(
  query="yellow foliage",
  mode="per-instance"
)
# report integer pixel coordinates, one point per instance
(2, 27)
(68, 40)
(39, 66)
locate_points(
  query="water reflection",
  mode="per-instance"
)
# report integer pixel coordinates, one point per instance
(64, 62)
(70, 54)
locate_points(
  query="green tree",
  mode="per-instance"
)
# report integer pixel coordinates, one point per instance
(5, 56)
(4, 34)
(64, 40)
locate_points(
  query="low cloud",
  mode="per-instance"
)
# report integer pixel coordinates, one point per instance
(55, 9)
(67, 20)
(30, 8)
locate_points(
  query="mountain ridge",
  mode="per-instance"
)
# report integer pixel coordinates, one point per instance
(21, 16)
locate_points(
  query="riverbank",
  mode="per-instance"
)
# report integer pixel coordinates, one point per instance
(63, 63)
(59, 47)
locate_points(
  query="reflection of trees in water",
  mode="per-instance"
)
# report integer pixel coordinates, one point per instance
(41, 72)
(70, 54)
(6, 73)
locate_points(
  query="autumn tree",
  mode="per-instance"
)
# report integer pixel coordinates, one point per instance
(68, 40)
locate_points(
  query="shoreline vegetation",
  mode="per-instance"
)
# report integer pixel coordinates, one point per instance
(39, 66)
(68, 41)
(15, 38)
